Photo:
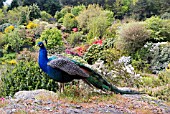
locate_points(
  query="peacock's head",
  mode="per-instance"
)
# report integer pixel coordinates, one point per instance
(40, 44)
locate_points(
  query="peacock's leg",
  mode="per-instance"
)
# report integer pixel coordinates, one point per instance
(61, 87)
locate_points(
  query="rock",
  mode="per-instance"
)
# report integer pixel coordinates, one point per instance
(25, 95)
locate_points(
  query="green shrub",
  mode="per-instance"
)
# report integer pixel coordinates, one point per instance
(60, 15)
(166, 15)
(158, 86)
(97, 26)
(92, 53)
(53, 37)
(25, 76)
(2, 16)
(111, 31)
(85, 17)
(132, 36)
(45, 16)
(76, 38)
(77, 9)
(103, 51)
(153, 57)
(18, 15)
(160, 29)
(69, 21)
(14, 40)
(34, 12)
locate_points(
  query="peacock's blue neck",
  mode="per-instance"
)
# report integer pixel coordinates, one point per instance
(43, 60)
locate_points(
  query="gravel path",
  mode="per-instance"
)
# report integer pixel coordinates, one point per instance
(43, 101)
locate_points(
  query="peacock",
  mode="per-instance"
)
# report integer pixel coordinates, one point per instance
(63, 70)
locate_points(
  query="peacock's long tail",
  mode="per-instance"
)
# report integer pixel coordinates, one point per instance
(99, 82)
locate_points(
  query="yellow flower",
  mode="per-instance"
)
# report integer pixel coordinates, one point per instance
(13, 62)
(9, 28)
(31, 25)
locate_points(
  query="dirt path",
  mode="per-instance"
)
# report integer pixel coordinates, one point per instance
(45, 102)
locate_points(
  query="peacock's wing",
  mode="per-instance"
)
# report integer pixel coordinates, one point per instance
(67, 66)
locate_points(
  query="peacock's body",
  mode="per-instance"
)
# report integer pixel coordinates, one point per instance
(62, 69)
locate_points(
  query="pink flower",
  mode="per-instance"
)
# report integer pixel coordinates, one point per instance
(75, 29)
(2, 99)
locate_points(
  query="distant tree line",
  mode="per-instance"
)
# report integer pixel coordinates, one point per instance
(138, 9)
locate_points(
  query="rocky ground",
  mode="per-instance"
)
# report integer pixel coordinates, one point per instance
(43, 101)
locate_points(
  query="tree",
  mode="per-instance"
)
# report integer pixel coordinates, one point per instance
(147, 8)
(1, 3)
(50, 6)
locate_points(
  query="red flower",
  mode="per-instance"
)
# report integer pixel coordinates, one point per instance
(98, 42)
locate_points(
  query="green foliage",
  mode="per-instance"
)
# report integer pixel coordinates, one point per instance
(53, 37)
(45, 16)
(166, 15)
(2, 16)
(157, 86)
(77, 9)
(112, 30)
(76, 38)
(147, 8)
(50, 6)
(85, 17)
(98, 25)
(60, 15)
(69, 21)
(132, 36)
(18, 15)
(92, 53)
(105, 52)
(25, 76)
(153, 57)
(34, 11)
(121, 7)
(159, 29)
(14, 40)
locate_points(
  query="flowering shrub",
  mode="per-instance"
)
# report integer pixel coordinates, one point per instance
(31, 25)
(9, 28)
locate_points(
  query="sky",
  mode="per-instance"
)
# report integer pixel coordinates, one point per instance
(8, 2)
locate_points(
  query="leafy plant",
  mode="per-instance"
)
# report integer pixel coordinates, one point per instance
(60, 15)
(77, 9)
(25, 76)
(34, 12)
(69, 21)
(2, 16)
(76, 38)
(159, 29)
(132, 36)
(87, 16)
(45, 16)
(13, 41)
(53, 37)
